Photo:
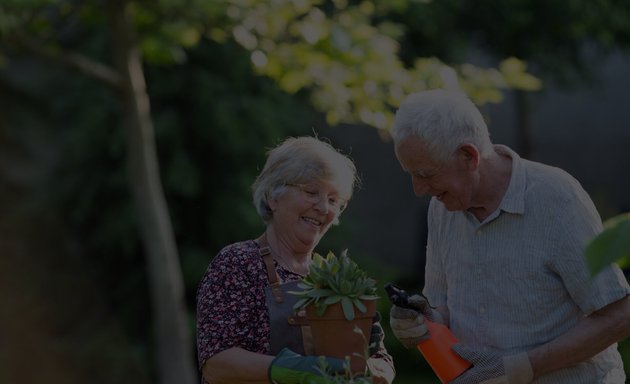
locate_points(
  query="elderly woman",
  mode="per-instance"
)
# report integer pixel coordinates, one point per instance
(242, 330)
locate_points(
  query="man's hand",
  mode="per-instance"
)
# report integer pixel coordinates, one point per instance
(490, 367)
(408, 324)
(292, 368)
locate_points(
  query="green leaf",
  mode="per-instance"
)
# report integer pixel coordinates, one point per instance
(332, 299)
(612, 245)
(320, 308)
(303, 285)
(348, 308)
(345, 287)
(318, 293)
(360, 306)
(301, 303)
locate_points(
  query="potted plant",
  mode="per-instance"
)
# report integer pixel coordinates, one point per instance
(338, 298)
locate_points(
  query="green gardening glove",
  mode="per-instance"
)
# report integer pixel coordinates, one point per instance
(292, 368)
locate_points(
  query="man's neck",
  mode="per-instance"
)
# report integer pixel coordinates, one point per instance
(494, 178)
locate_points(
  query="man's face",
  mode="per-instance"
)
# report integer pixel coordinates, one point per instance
(452, 183)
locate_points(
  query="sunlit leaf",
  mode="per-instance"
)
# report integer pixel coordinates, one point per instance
(612, 245)
(514, 71)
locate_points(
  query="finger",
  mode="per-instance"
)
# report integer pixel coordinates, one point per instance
(397, 323)
(411, 333)
(418, 302)
(376, 332)
(403, 313)
(412, 342)
(376, 335)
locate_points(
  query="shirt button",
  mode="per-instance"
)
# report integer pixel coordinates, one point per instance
(479, 232)
(482, 309)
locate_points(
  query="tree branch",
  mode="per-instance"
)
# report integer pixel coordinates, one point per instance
(72, 60)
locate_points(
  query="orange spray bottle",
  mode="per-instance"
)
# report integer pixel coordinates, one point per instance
(436, 350)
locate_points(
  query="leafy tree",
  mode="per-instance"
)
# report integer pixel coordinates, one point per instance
(51, 30)
(561, 41)
(347, 56)
(344, 55)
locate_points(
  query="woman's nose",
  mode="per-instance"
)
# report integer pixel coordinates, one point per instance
(322, 205)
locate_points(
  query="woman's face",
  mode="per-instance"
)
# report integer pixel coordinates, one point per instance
(304, 212)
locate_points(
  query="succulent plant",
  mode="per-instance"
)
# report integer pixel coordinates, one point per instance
(334, 279)
(346, 377)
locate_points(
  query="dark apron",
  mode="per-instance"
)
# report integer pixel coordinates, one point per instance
(288, 329)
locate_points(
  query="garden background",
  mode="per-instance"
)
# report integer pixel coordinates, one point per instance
(131, 131)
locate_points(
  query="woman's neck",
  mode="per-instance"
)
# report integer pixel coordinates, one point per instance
(285, 254)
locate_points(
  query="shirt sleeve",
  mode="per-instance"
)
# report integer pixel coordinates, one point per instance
(231, 309)
(581, 223)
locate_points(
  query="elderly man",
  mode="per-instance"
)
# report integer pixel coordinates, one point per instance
(505, 267)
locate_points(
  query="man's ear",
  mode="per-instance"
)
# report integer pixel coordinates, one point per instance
(469, 154)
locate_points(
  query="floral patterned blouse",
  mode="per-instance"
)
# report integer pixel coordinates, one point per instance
(231, 307)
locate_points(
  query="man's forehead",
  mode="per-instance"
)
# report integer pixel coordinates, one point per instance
(413, 150)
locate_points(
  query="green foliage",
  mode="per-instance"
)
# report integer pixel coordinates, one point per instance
(343, 53)
(564, 40)
(612, 245)
(214, 120)
(332, 280)
(346, 56)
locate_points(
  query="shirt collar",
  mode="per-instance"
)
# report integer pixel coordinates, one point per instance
(514, 198)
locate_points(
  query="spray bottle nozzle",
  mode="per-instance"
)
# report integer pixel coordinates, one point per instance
(397, 295)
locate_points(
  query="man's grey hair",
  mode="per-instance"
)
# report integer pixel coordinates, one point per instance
(302, 160)
(443, 120)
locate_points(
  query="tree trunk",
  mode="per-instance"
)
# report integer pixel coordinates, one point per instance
(175, 359)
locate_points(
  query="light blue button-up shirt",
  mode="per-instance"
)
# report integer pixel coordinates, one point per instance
(519, 279)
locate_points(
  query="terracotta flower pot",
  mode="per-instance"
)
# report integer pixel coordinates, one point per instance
(334, 336)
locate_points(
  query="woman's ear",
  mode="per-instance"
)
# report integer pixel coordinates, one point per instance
(272, 203)
(469, 154)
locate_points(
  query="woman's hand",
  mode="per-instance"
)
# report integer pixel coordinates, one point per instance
(292, 368)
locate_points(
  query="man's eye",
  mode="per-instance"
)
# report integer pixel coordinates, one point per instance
(424, 175)
(333, 201)
(311, 193)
